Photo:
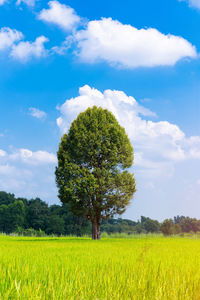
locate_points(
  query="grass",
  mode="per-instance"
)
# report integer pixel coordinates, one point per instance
(79, 268)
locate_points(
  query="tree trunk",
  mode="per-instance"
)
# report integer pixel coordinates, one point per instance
(96, 232)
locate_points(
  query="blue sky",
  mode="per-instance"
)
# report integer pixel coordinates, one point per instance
(140, 59)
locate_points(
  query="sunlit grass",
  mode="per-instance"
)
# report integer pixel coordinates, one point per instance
(79, 268)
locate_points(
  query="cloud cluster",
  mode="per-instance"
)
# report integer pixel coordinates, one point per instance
(106, 40)
(11, 41)
(126, 46)
(60, 14)
(158, 145)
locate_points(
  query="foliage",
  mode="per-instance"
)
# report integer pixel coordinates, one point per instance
(150, 225)
(92, 175)
(168, 227)
(31, 217)
(37, 214)
(11, 216)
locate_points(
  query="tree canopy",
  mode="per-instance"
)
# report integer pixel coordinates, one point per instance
(93, 159)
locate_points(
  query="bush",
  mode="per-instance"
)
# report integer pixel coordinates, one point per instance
(181, 234)
(30, 232)
(105, 235)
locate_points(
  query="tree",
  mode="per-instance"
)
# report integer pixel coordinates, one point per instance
(190, 224)
(92, 175)
(150, 225)
(168, 227)
(178, 219)
(6, 198)
(37, 214)
(56, 225)
(12, 216)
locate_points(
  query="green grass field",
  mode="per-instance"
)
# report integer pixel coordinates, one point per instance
(72, 268)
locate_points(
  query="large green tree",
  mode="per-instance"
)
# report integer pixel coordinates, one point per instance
(92, 175)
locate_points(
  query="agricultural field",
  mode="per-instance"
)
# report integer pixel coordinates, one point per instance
(79, 268)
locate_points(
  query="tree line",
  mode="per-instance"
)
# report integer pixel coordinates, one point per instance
(35, 216)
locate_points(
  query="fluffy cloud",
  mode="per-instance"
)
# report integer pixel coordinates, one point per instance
(193, 3)
(2, 153)
(24, 51)
(34, 158)
(10, 40)
(2, 2)
(60, 14)
(157, 145)
(8, 37)
(37, 113)
(27, 156)
(129, 47)
(27, 2)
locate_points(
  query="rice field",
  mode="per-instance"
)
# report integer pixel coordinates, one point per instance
(79, 268)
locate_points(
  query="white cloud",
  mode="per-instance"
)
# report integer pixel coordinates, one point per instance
(193, 3)
(27, 2)
(60, 14)
(158, 145)
(2, 2)
(27, 50)
(37, 113)
(128, 47)
(8, 37)
(34, 158)
(2, 153)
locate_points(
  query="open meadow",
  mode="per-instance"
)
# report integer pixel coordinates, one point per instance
(79, 268)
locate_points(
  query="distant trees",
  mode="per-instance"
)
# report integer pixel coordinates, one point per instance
(92, 174)
(187, 224)
(17, 214)
(31, 217)
(180, 224)
(12, 213)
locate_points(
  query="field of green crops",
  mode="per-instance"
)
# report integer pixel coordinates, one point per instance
(72, 268)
